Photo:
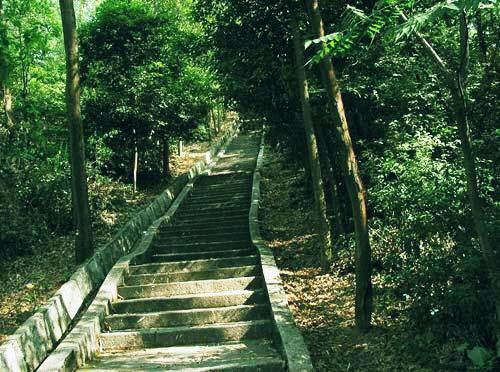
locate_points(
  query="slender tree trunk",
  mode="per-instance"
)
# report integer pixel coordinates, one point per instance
(214, 121)
(7, 104)
(209, 126)
(219, 118)
(81, 210)
(180, 148)
(136, 162)
(312, 147)
(355, 188)
(4, 72)
(166, 158)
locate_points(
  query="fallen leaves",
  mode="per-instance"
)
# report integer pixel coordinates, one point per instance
(323, 304)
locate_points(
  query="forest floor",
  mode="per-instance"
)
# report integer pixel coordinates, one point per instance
(323, 304)
(29, 281)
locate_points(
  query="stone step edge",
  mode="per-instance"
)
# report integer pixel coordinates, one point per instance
(216, 234)
(265, 363)
(203, 230)
(287, 336)
(186, 311)
(166, 257)
(193, 282)
(200, 244)
(189, 221)
(196, 295)
(188, 262)
(245, 267)
(181, 329)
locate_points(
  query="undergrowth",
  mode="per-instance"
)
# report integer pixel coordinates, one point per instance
(323, 303)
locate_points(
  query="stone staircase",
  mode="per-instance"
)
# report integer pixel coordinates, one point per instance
(196, 300)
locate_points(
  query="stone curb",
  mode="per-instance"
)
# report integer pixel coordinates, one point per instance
(34, 340)
(288, 337)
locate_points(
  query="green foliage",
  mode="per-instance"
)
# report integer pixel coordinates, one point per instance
(143, 82)
(480, 357)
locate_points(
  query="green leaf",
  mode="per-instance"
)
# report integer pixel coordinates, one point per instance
(479, 356)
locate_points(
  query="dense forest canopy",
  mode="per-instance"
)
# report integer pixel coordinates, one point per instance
(389, 106)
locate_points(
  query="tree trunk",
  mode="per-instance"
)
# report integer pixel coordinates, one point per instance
(219, 118)
(81, 210)
(4, 72)
(214, 121)
(180, 148)
(136, 162)
(7, 104)
(312, 148)
(355, 188)
(166, 158)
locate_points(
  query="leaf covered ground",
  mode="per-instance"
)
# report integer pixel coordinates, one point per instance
(323, 304)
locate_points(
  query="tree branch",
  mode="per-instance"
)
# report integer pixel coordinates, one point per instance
(431, 51)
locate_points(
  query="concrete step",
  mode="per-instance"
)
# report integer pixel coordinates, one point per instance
(222, 194)
(202, 233)
(208, 206)
(216, 198)
(224, 208)
(182, 276)
(230, 226)
(187, 335)
(183, 302)
(214, 213)
(191, 287)
(246, 355)
(172, 257)
(166, 239)
(176, 318)
(210, 220)
(161, 245)
(223, 180)
(196, 265)
(235, 193)
(160, 248)
(222, 188)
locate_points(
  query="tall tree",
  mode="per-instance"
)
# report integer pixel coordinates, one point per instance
(4, 70)
(81, 210)
(312, 149)
(355, 188)
(456, 81)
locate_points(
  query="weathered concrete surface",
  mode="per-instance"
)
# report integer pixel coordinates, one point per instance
(248, 355)
(288, 337)
(36, 338)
